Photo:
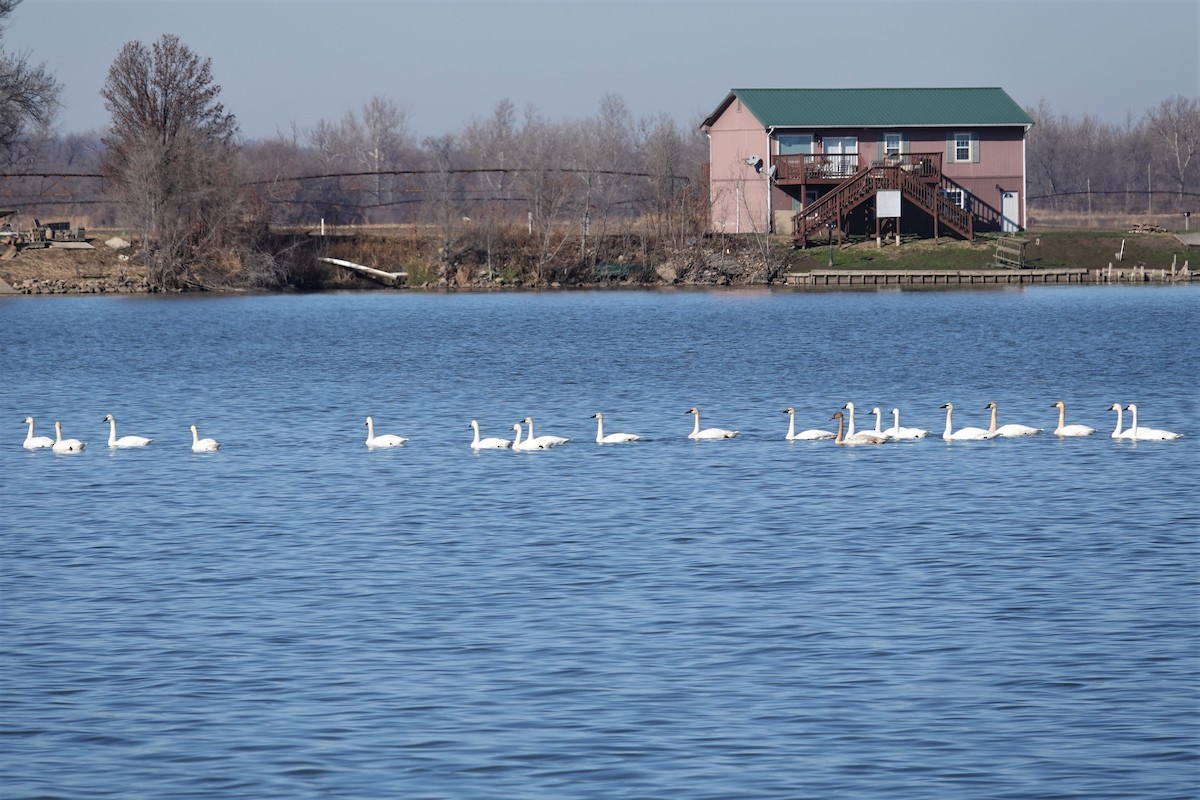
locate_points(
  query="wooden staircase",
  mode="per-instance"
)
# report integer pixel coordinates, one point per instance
(926, 189)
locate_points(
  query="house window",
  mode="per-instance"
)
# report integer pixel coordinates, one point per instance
(795, 143)
(963, 148)
(955, 196)
(892, 144)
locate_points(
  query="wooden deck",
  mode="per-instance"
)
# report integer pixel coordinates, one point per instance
(944, 277)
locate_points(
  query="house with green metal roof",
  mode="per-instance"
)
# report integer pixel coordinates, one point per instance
(813, 163)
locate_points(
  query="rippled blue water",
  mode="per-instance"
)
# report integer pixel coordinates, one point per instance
(298, 617)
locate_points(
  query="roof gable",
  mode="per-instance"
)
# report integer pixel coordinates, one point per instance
(876, 108)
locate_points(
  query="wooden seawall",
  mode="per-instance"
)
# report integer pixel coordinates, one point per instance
(938, 277)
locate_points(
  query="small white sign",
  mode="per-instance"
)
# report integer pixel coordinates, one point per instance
(887, 203)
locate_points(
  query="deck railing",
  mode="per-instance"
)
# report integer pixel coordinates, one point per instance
(820, 167)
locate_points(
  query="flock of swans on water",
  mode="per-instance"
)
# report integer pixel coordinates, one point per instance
(846, 435)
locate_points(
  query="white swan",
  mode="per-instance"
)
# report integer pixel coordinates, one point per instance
(812, 434)
(898, 432)
(62, 445)
(203, 445)
(1063, 428)
(1140, 434)
(612, 438)
(963, 434)
(383, 440)
(1117, 432)
(491, 442)
(862, 437)
(1011, 429)
(124, 441)
(526, 445)
(34, 442)
(707, 433)
(850, 431)
(878, 422)
(545, 439)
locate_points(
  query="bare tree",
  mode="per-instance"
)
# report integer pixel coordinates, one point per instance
(28, 95)
(171, 155)
(1175, 127)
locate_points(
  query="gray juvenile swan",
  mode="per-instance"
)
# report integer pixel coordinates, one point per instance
(34, 442)
(862, 437)
(124, 441)
(1063, 428)
(612, 438)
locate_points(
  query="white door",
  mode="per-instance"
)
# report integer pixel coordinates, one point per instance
(1010, 211)
(841, 154)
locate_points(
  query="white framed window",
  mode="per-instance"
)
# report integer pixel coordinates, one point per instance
(893, 144)
(964, 147)
(955, 196)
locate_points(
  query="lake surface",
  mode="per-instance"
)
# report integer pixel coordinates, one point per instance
(296, 616)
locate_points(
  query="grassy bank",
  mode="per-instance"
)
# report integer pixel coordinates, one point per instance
(714, 260)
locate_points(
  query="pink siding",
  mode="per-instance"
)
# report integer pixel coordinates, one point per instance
(737, 194)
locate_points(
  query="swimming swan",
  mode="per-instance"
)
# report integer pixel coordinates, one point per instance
(897, 432)
(385, 440)
(528, 445)
(1117, 432)
(1064, 429)
(124, 441)
(1011, 429)
(878, 421)
(1138, 433)
(203, 445)
(491, 442)
(963, 434)
(545, 439)
(862, 437)
(850, 431)
(34, 442)
(62, 445)
(707, 433)
(812, 434)
(612, 438)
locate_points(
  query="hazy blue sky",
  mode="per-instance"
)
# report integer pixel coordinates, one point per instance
(285, 63)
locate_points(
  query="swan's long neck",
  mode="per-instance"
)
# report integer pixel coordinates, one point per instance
(1062, 416)
(896, 417)
(475, 427)
(841, 426)
(992, 427)
(370, 430)
(196, 433)
(112, 431)
(696, 426)
(529, 422)
(850, 424)
(1133, 419)
(1117, 430)
(30, 436)
(599, 426)
(877, 414)
(517, 439)
(949, 413)
(791, 425)
(57, 432)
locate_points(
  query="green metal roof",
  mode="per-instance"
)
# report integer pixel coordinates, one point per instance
(825, 108)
